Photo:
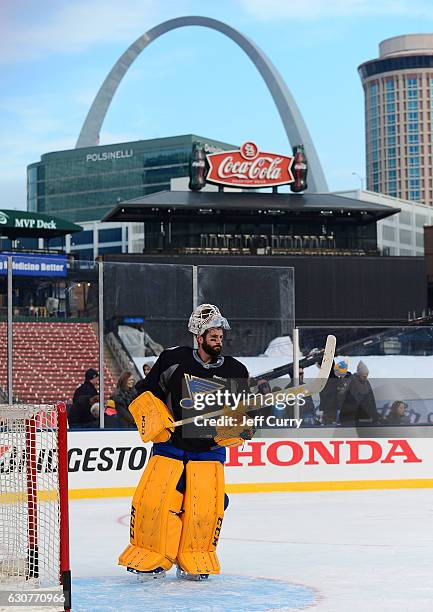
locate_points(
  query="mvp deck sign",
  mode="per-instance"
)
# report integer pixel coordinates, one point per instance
(249, 168)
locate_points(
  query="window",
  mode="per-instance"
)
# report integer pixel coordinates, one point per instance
(55, 242)
(112, 249)
(391, 151)
(392, 185)
(413, 183)
(411, 83)
(390, 96)
(392, 176)
(390, 107)
(412, 116)
(389, 84)
(85, 237)
(419, 240)
(413, 150)
(405, 217)
(391, 119)
(414, 195)
(412, 138)
(391, 163)
(420, 220)
(412, 105)
(405, 236)
(388, 233)
(412, 127)
(405, 252)
(412, 93)
(84, 254)
(414, 161)
(414, 172)
(110, 235)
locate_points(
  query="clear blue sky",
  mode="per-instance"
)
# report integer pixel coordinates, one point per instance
(54, 55)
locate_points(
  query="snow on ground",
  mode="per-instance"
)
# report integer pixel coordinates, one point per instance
(354, 551)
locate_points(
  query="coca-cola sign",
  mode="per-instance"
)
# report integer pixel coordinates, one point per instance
(249, 168)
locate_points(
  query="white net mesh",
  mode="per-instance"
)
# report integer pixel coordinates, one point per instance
(29, 497)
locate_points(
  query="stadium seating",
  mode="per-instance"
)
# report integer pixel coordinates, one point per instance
(50, 360)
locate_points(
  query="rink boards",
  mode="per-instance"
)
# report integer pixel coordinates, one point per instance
(110, 463)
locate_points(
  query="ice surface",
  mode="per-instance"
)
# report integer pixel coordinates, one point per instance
(352, 551)
(221, 594)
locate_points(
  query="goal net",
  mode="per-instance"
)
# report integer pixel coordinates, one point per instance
(34, 540)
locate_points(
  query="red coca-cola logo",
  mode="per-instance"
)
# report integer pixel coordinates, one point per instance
(286, 453)
(249, 168)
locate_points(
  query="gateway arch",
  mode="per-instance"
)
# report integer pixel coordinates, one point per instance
(294, 125)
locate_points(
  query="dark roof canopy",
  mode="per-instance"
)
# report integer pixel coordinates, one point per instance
(148, 207)
(20, 223)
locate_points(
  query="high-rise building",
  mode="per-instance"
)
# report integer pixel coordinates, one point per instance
(84, 184)
(398, 88)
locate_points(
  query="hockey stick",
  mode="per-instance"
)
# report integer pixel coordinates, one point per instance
(309, 388)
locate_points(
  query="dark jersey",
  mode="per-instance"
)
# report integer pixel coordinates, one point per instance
(167, 381)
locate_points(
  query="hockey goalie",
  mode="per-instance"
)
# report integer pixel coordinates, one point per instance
(178, 506)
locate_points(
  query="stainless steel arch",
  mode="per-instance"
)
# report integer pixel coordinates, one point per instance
(291, 117)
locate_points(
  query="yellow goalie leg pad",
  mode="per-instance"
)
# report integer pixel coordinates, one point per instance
(155, 526)
(202, 517)
(153, 419)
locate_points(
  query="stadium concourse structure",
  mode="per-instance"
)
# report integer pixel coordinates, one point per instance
(341, 277)
(51, 326)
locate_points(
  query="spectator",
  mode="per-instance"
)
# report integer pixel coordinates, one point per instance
(308, 410)
(334, 392)
(359, 402)
(140, 384)
(123, 396)
(146, 369)
(88, 388)
(396, 415)
(111, 418)
(80, 413)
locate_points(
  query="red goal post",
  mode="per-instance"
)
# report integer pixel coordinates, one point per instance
(34, 523)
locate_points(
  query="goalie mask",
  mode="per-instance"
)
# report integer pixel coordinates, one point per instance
(205, 317)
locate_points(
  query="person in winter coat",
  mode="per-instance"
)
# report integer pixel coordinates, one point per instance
(80, 414)
(359, 402)
(123, 396)
(396, 415)
(333, 395)
(88, 388)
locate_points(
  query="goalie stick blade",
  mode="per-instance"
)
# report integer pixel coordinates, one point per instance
(317, 384)
(314, 386)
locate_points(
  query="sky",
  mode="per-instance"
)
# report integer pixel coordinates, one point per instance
(55, 54)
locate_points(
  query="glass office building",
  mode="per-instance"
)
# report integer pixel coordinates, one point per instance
(398, 89)
(84, 184)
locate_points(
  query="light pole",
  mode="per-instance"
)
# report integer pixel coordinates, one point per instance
(361, 180)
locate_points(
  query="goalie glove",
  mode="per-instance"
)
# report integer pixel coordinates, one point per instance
(153, 419)
(232, 432)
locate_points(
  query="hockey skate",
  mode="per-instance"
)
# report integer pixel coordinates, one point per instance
(180, 573)
(155, 574)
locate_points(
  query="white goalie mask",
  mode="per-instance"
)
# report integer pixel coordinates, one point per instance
(205, 317)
